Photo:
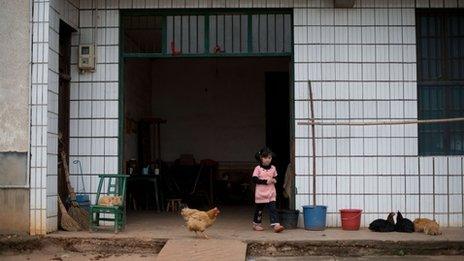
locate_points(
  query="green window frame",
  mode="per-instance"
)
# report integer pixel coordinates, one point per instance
(440, 71)
(207, 33)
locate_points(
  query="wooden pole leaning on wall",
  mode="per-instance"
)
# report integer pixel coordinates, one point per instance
(313, 140)
(366, 123)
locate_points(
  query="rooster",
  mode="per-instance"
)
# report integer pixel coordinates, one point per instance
(403, 224)
(198, 221)
(382, 225)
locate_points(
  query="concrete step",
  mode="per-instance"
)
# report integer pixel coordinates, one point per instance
(203, 249)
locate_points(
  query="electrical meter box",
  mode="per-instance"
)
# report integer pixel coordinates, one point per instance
(87, 57)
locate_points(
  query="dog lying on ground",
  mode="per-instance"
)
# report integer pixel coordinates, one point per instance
(428, 226)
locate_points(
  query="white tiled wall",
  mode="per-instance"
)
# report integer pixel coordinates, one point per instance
(39, 117)
(94, 99)
(67, 11)
(361, 65)
(44, 105)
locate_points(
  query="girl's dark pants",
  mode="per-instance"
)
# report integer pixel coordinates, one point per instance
(271, 206)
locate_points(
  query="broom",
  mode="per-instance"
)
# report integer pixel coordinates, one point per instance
(67, 222)
(81, 216)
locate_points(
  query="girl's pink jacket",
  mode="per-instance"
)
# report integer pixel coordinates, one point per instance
(265, 193)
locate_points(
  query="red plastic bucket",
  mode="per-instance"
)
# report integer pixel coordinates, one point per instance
(351, 218)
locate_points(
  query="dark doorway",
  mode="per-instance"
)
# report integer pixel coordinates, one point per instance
(217, 110)
(278, 124)
(63, 103)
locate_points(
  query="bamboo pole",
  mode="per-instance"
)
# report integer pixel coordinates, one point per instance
(388, 122)
(313, 136)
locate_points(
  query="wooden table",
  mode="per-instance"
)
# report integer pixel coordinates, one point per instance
(154, 180)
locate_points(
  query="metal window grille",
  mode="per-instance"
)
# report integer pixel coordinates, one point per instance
(440, 52)
(207, 33)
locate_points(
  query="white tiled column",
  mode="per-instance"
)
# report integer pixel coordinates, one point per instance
(39, 119)
(44, 111)
(66, 11)
(52, 126)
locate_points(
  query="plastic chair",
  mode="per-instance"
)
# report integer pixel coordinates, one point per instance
(116, 187)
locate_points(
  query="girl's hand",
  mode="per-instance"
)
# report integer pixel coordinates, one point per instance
(271, 181)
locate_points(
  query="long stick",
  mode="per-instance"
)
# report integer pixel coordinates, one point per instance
(389, 122)
(72, 193)
(313, 136)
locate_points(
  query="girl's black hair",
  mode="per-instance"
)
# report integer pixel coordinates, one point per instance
(264, 152)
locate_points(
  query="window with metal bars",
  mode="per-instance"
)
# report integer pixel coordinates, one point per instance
(228, 33)
(185, 34)
(271, 33)
(208, 33)
(440, 64)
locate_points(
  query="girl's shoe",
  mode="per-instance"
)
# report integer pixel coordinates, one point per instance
(278, 228)
(257, 227)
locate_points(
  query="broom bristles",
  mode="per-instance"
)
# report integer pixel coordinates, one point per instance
(78, 214)
(81, 216)
(67, 222)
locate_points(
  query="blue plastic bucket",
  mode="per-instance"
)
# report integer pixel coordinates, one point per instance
(314, 217)
(83, 201)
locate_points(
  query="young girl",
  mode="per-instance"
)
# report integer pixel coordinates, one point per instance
(264, 176)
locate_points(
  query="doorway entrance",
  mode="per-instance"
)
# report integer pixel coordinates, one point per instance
(278, 124)
(218, 83)
(63, 104)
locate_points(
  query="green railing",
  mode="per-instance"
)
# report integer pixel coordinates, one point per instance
(206, 33)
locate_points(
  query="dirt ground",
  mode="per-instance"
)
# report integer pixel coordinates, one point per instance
(43, 248)
(43, 255)
(147, 232)
(49, 248)
(71, 257)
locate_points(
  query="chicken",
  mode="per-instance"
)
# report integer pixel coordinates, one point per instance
(198, 221)
(428, 226)
(382, 225)
(110, 201)
(403, 224)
